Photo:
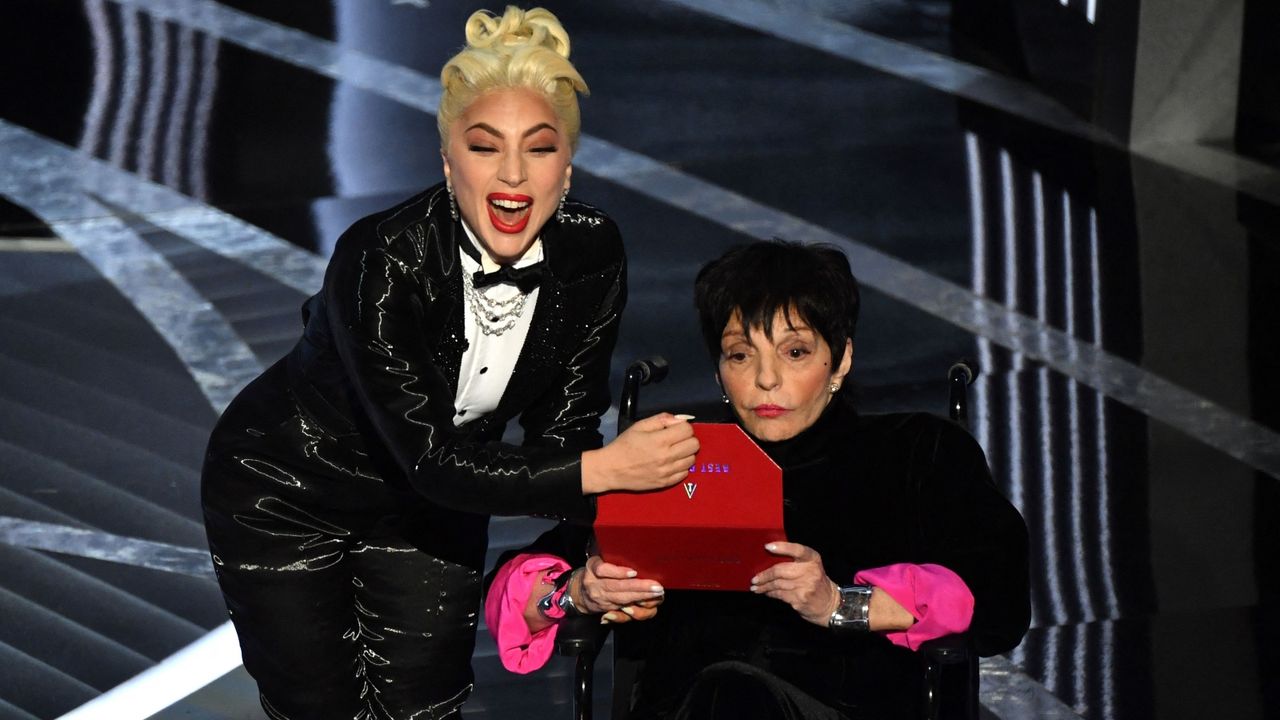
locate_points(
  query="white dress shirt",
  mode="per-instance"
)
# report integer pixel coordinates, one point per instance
(489, 360)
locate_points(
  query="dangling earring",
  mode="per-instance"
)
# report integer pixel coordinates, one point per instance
(453, 204)
(560, 209)
(725, 398)
(835, 387)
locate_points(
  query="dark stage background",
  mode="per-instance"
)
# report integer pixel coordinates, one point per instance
(1084, 196)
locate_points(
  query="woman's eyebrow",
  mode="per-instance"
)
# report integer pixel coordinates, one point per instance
(541, 126)
(486, 127)
(787, 330)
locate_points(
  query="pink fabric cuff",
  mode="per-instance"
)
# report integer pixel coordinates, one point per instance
(936, 597)
(520, 651)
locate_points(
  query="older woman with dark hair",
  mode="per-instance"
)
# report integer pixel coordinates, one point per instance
(897, 534)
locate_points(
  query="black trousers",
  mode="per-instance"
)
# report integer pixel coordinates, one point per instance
(732, 690)
(338, 614)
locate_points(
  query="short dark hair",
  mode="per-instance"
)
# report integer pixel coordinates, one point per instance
(761, 278)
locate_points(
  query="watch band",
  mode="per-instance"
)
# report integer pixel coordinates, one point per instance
(564, 600)
(853, 612)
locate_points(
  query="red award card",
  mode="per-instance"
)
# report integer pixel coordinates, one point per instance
(707, 532)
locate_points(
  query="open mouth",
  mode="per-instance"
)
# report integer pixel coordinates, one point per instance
(509, 213)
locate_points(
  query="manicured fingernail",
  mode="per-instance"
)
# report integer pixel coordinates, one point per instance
(684, 417)
(754, 580)
(656, 589)
(770, 547)
(629, 611)
(631, 573)
(755, 588)
(608, 618)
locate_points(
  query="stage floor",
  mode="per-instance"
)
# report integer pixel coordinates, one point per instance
(174, 174)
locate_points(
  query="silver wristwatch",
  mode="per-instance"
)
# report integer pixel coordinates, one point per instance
(560, 598)
(565, 600)
(852, 614)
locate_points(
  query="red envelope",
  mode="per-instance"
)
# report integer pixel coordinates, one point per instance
(707, 532)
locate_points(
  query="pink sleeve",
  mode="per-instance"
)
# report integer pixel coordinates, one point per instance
(936, 597)
(520, 651)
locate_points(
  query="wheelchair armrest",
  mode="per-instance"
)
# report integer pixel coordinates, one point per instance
(951, 678)
(581, 635)
(947, 650)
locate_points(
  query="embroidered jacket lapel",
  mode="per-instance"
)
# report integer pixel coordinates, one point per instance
(535, 368)
(443, 326)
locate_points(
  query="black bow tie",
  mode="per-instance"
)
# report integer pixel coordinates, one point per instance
(526, 278)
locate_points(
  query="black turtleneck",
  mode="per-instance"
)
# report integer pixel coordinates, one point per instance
(865, 491)
(816, 493)
(814, 443)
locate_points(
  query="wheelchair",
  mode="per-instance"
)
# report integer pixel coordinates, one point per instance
(949, 664)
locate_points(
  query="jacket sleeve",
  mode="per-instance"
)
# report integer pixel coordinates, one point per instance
(567, 415)
(975, 532)
(505, 600)
(936, 597)
(563, 547)
(376, 310)
(567, 541)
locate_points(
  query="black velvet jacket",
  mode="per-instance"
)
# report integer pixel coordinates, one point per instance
(375, 374)
(865, 492)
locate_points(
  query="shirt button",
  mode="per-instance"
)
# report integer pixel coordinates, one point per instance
(484, 370)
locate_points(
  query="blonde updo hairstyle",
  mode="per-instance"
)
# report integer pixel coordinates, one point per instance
(520, 49)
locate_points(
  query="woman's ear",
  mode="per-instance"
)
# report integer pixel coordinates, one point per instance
(445, 160)
(724, 396)
(846, 364)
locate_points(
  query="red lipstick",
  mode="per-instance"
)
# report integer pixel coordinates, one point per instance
(510, 220)
(769, 411)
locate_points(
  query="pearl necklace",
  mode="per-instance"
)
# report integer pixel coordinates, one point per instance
(493, 316)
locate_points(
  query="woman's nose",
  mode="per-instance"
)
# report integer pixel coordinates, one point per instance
(511, 171)
(767, 377)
